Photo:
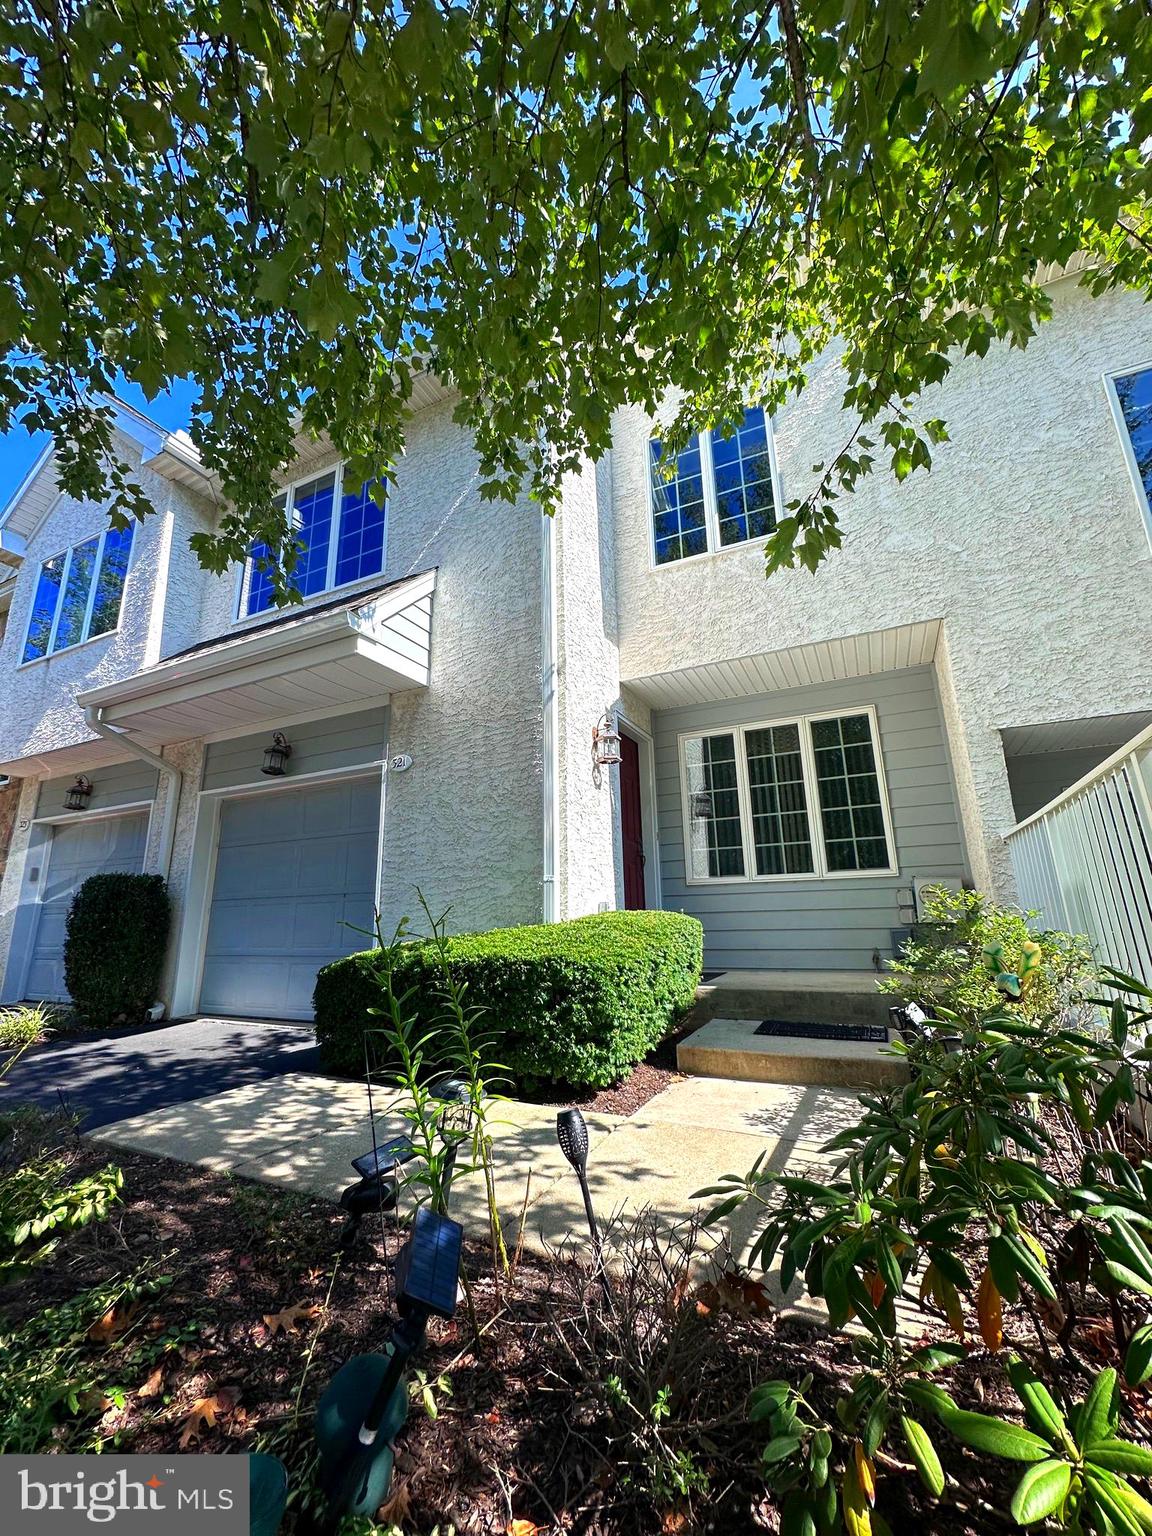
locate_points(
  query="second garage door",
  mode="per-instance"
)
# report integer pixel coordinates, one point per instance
(295, 880)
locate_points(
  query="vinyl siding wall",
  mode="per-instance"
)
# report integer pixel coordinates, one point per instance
(318, 746)
(113, 785)
(837, 923)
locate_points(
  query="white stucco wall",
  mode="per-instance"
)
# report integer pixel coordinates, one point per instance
(588, 684)
(39, 711)
(1025, 538)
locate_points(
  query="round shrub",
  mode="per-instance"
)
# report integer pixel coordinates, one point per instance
(114, 947)
(577, 1002)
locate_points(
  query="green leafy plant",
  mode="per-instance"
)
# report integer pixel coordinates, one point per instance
(965, 941)
(39, 1204)
(114, 947)
(797, 1457)
(1079, 1468)
(578, 1002)
(25, 1024)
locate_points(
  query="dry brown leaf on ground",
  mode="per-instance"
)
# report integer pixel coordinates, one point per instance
(154, 1385)
(288, 1318)
(397, 1507)
(204, 1413)
(115, 1321)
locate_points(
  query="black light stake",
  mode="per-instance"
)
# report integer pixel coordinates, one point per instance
(572, 1134)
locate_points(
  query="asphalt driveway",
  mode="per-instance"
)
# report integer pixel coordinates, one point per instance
(108, 1077)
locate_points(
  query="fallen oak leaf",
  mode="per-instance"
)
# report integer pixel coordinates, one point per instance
(288, 1318)
(154, 1385)
(204, 1413)
(115, 1321)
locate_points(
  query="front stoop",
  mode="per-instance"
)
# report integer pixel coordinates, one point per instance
(796, 997)
(732, 1048)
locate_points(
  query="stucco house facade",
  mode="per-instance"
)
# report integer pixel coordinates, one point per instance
(798, 755)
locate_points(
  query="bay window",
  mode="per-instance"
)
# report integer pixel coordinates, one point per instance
(720, 490)
(789, 799)
(342, 537)
(78, 594)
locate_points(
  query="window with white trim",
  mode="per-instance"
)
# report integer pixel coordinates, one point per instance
(79, 593)
(1134, 397)
(789, 799)
(719, 491)
(342, 533)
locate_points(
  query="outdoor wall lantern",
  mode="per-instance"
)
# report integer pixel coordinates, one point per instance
(605, 746)
(276, 756)
(78, 796)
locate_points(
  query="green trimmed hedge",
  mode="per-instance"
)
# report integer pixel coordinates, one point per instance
(577, 1002)
(114, 947)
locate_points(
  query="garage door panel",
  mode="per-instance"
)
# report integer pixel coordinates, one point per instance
(295, 881)
(106, 845)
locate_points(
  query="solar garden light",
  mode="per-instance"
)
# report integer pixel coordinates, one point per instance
(454, 1121)
(378, 1186)
(366, 1403)
(572, 1134)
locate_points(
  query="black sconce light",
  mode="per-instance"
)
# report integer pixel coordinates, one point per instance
(78, 796)
(276, 756)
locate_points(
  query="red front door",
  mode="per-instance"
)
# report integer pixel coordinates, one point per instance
(631, 824)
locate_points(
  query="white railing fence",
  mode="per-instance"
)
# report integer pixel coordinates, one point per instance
(1084, 860)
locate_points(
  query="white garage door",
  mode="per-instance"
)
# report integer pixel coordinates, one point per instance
(295, 880)
(105, 845)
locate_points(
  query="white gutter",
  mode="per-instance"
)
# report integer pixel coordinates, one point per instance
(550, 701)
(93, 716)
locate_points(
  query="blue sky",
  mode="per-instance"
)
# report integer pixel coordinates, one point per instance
(18, 448)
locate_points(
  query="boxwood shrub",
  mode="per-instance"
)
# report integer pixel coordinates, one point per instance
(114, 947)
(578, 1002)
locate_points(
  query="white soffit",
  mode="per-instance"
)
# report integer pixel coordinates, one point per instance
(1074, 735)
(355, 655)
(798, 666)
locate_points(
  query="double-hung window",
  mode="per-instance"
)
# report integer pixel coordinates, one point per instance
(790, 799)
(1133, 399)
(342, 536)
(78, 593)
(719, 491)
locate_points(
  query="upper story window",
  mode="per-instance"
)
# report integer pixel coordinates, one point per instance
(721, 490)
(791, 799)
(1134, 397)
(342, 531)
(78, 593)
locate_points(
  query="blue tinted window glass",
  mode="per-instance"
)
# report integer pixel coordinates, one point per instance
(677, 503)
(1134, 392)
(110, 580)
(74, 604)
(259, 581)
(44, 608)
(312, 520)
(746, 506)
(360, 551)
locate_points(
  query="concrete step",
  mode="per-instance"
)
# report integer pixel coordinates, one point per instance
(731, 1048)
(795, 997)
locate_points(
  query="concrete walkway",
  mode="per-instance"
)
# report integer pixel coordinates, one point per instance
(302, 1131)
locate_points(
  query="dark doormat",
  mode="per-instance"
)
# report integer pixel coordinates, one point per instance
(875, 1034)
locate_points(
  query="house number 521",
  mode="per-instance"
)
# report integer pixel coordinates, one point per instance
(400, 763)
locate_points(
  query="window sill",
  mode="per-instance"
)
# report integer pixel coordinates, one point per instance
(66, 650)
(314, 599)
(745, 547)
(814, 879)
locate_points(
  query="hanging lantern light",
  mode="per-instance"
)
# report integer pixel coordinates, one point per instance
(605, 741)
(77, 797)
(276, 756)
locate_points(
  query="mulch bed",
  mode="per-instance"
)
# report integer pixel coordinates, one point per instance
(648, 1078)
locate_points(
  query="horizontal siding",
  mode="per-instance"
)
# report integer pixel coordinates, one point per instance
(318, 746)
(836, 923)
(112, 785)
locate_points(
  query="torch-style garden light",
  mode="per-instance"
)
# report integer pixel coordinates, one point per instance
(572, 1134)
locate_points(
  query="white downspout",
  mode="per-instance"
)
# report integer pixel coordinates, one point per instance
(93, 716)
(550, 700)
